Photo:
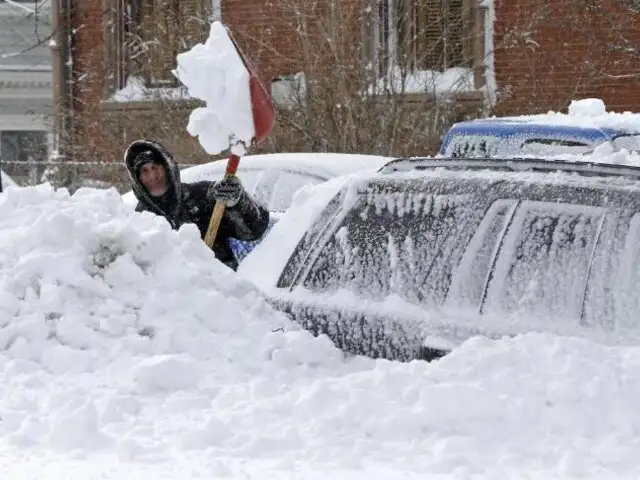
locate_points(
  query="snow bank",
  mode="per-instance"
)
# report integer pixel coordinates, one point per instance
(126, 351)
(215, 73)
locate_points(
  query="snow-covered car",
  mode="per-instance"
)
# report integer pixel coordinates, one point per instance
(274, 179)
(411, 261)
(6, 181)
(580, 131)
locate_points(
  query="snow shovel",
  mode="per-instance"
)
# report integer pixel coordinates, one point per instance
(263, 122)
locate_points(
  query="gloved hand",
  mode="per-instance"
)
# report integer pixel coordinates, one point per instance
(228, 191)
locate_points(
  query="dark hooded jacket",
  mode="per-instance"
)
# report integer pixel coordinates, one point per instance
(194, 203)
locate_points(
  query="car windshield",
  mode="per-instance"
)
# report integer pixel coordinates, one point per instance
(463, 146)
(492, 146)
(554, 146)
(395, 244)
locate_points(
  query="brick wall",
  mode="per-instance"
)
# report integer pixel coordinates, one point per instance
(549, 52)
(88, 73)
(546, 53)
(101, 130)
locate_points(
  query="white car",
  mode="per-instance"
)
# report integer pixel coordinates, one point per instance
(274, 179)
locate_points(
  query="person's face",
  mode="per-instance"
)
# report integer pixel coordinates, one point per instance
(154, 178)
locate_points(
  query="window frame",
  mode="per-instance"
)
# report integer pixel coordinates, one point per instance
(528, 206)
(334, 215)
(385, 40)
(122, 29)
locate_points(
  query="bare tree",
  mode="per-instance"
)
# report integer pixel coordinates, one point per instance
(367, 76)
(379, 77)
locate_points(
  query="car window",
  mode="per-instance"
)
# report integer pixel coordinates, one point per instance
(396, 244)
(554, 146)
(469, 279)
(623, 286)
(249, 178)
(628, 142)
(286, 185)
(543, 264)
(262, 183)
(475, 146)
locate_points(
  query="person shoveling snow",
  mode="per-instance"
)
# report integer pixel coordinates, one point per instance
(238, 113)
(155, 181)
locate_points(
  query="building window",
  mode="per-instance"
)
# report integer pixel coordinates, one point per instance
(144, 38)
(424, 35)
(23, 154)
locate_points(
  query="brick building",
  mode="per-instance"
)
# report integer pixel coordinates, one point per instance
(473, 57)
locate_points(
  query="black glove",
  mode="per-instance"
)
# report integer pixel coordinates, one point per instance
(228, 191)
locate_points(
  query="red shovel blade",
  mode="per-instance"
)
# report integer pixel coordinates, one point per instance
(261, 104)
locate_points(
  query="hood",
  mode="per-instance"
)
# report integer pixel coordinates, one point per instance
(173, 174)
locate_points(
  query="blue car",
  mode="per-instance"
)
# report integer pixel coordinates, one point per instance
(537, 135)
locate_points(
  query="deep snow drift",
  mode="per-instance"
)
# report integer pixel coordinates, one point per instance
(225, 388)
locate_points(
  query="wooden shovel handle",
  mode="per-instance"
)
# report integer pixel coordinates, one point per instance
(214, 224)
(219, 207)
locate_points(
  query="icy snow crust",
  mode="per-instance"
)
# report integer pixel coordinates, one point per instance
(226, 388)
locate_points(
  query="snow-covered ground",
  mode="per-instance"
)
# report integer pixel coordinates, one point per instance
(226, 388)
(127, 351)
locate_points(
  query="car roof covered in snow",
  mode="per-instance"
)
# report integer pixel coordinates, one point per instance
(325, 165)
(588, 168)
(587, 121)
(506, 127)
(321, 165)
